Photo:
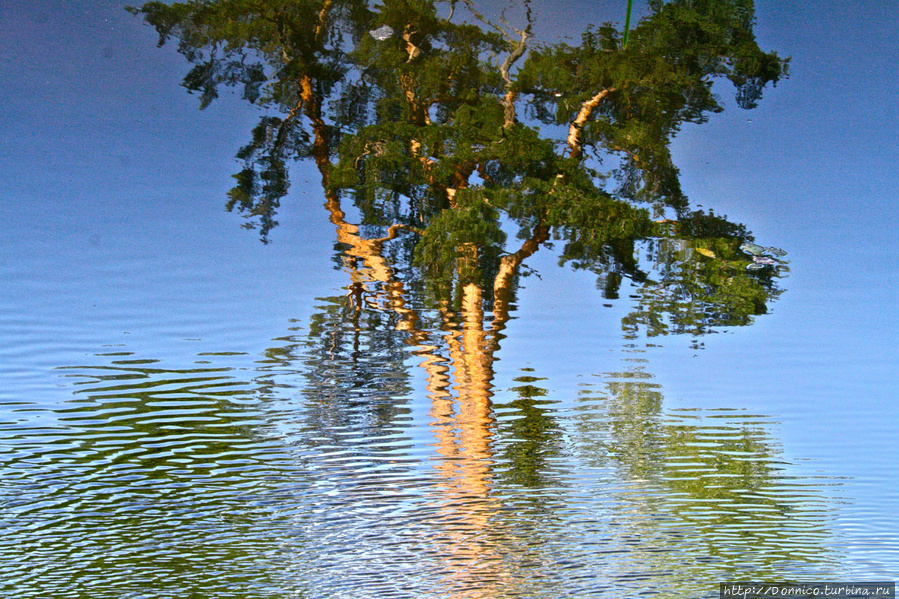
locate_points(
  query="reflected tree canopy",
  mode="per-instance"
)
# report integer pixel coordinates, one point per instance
(465, 144)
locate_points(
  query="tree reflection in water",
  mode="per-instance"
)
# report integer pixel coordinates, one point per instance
(711, 483)
(434, 121)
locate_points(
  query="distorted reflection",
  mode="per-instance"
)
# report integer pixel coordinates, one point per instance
(448, 155)
(152, 477)
(315, 475)
(318, 469)
(710, 483)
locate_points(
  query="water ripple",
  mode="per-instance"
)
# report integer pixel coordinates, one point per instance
(309, 474)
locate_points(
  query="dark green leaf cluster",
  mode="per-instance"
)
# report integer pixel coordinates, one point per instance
(264, 179)
(699, 282)
(464, 243)
(660, 81)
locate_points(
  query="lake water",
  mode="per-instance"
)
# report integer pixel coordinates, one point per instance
(187, 412)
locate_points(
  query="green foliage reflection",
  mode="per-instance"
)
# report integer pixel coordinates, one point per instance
(705, 483)
(454, 135)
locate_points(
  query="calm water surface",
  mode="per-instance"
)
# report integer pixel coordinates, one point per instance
(185, 412)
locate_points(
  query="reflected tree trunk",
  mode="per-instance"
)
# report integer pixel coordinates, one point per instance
(459, 386)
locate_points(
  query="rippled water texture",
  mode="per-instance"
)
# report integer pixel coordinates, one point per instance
(232, 476)
(350, 457)
(185, 412)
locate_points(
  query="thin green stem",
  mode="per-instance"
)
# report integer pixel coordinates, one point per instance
(627, 23)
